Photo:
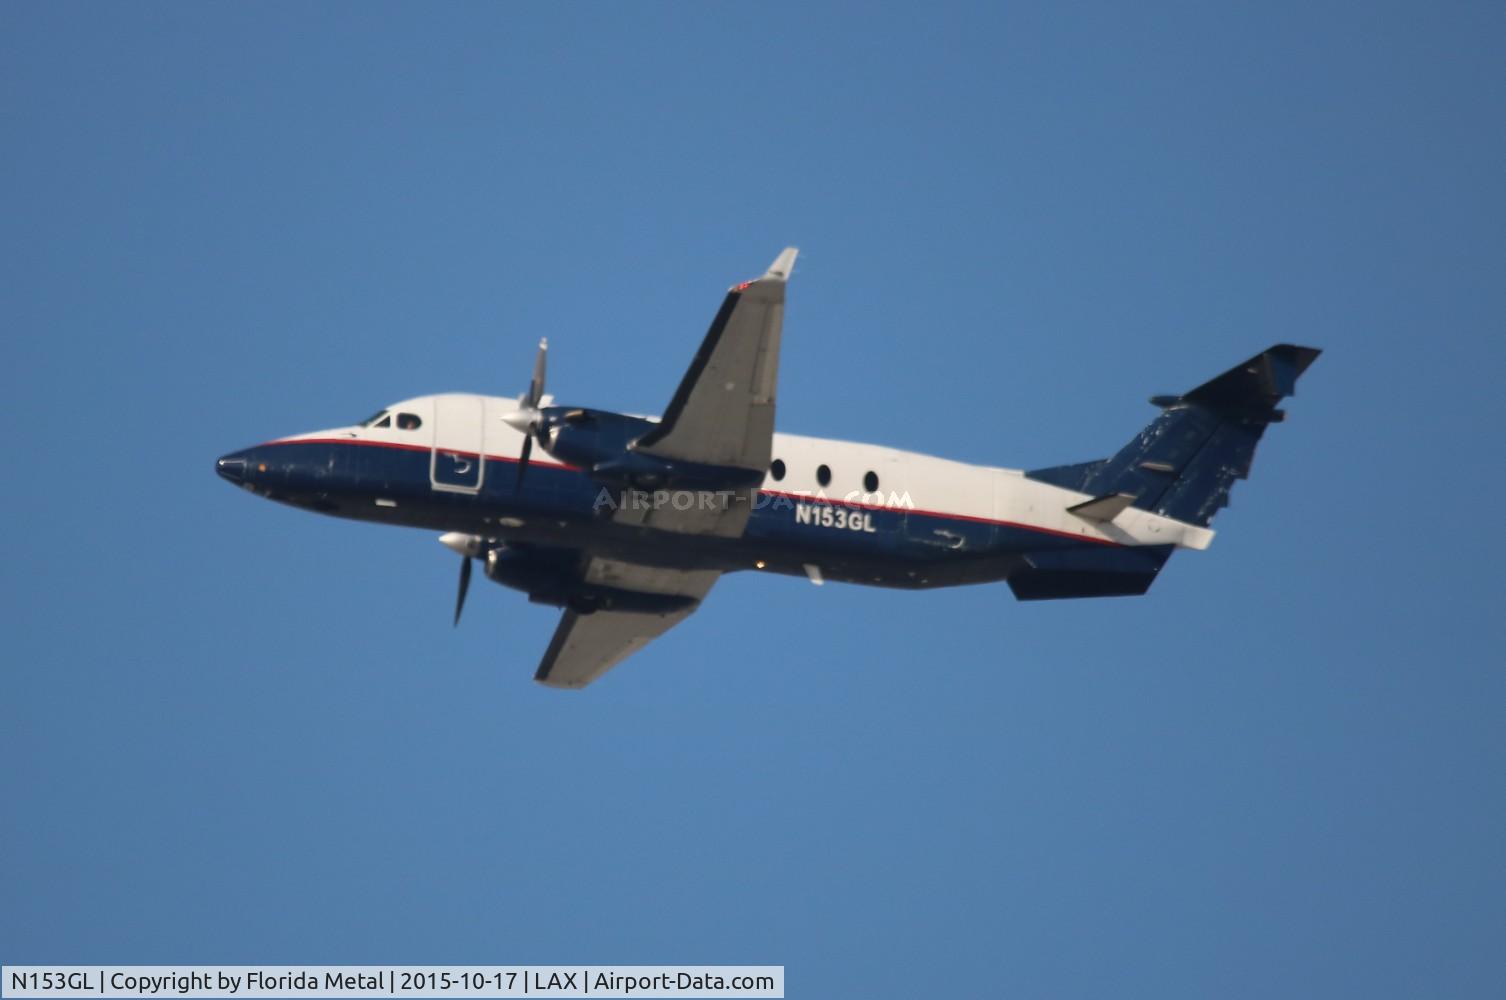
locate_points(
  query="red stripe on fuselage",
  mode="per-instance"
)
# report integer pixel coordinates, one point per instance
(944, 515)
(805, 498)
(396, 446)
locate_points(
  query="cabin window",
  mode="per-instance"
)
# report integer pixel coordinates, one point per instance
(408, 422)
(777, 470)
(823, 475)
(870, 481)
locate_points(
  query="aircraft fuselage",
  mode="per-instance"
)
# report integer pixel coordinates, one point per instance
(882, 517)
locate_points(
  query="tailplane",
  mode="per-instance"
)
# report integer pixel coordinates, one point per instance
(1183, 464)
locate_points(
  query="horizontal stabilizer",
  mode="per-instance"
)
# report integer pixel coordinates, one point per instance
(1253, 388)
(1104, 508)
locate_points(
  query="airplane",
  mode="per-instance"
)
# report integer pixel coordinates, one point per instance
(626, 522)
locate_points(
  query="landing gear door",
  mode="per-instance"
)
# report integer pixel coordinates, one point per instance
(458, 461)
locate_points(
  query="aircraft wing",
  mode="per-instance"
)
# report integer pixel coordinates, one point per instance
(723, 514)
(723, 411)
(585, 646)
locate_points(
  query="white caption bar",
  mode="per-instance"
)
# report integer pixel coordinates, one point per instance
(479, 981)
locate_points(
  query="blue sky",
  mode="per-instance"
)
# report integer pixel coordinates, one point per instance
(240, 733)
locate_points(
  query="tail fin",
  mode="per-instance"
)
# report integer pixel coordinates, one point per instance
(1183, 464)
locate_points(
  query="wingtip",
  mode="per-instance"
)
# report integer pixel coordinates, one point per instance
(783, 264)
(543, 679)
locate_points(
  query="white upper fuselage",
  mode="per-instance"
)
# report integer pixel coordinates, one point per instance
(906, 480)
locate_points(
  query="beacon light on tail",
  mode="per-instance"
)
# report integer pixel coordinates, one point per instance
(626, 522)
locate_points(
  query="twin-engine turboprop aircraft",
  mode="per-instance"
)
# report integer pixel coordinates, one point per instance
(626, 522)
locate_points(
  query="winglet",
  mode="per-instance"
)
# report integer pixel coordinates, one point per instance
(783, 265)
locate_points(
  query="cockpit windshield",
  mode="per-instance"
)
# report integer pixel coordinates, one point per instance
(378, 419)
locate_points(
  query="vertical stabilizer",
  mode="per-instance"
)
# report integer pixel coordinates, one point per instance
(1183, 464)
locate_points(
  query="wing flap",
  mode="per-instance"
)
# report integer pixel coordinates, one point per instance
(696, 513)
(586, 646)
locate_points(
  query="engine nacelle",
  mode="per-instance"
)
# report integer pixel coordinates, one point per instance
(587, 438)
(554, 577)
(533, 571)
(601, 442)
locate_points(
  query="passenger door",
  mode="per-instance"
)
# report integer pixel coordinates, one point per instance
(457, 463)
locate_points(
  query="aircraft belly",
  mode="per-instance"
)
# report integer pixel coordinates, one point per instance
(560, 506)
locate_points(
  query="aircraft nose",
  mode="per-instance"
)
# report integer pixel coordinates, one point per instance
(232, 467)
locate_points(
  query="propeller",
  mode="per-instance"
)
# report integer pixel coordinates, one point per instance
(469, 547)
(465, 584)
(527, 419)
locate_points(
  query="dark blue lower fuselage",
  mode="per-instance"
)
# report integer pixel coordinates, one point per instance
(560, 506)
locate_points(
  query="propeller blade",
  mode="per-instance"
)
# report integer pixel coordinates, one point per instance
(526, 419)
(536, 387)
(465, 584)
(523, 461)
